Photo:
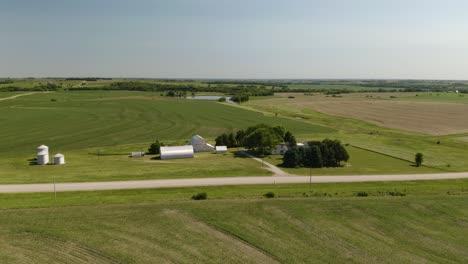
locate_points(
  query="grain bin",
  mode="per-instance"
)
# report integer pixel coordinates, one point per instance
(59, 159)
(42, 157)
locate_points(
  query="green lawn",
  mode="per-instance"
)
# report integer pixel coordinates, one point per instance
(114, 164)
(240, 226)
(361, 162)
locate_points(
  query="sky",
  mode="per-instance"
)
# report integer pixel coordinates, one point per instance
(295, 39)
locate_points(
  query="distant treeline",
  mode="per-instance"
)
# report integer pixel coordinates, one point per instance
(187, 88)
(88, 79)
(5, 81)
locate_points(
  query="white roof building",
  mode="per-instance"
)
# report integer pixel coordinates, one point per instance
(42, 157)
(221, 149)
(178, 152)
(137, 154)
(59, 159)
(199, 144)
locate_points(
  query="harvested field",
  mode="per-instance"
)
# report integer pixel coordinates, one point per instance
(434, 118)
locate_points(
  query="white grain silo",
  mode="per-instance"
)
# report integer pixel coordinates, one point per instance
(59, 159)
(41, 148)
(43, 157)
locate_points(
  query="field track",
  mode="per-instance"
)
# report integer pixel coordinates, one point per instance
(144, 184)
(16, 96)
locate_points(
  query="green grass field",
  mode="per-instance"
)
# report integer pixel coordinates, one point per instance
(237, 225)
(437, 97)
(82, 124)
(362, 162)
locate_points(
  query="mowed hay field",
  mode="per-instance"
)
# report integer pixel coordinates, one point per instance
(420, 229)
(436, 117)
(77, 120)
(96, 131)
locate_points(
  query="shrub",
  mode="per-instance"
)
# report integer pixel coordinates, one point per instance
(53, 100)
(269, 195)
(362, 194)
(200, 196)
(154, 148)
(222, 99)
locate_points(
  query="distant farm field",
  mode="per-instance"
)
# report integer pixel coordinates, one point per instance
(422, 116)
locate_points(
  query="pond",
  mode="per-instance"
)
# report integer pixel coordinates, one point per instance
(210, 98)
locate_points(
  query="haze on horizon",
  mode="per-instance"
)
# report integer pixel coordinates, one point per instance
(309, 39)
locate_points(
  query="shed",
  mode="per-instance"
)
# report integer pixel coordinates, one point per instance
(59, 159)
(137, 154)
(42, 157)
(199, 144)
(177, 152)
(221, 150)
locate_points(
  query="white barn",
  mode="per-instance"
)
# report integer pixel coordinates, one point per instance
(59, 159)
(178, 152)
(199, 144)
(221, 150)
(42, 157)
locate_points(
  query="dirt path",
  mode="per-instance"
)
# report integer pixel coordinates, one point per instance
(18, 95)
(145, 184)
(277, 171)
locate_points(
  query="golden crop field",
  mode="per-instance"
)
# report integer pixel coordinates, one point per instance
(400, 112)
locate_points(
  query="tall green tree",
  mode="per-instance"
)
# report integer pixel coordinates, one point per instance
(418, 159)
(290, 139)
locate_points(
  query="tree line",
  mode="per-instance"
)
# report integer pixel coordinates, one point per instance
(317, 154)
(260, 138)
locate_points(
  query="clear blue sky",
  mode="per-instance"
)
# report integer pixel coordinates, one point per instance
(419, 39)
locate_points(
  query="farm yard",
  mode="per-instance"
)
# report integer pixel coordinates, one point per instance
(97, 130)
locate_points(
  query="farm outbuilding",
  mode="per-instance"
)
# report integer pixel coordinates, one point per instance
(177, 152)
(137, 154)
(199, 144)
(42, 157)
(221, 150)
(59, 159)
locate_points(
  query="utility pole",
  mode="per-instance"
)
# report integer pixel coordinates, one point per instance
(310, 179)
